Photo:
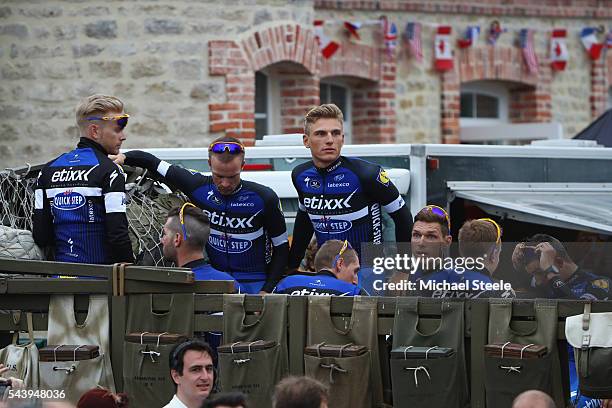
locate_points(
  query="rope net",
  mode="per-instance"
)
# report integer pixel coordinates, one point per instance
(148, 202)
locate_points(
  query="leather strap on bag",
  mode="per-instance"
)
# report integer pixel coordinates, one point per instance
(118, 279)
(586, 339)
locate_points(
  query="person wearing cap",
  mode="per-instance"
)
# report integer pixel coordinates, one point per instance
(79, 197)
(248, 236)
(337, 266)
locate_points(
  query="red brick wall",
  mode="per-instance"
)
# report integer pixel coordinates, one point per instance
(296, 49)
(236, 117)
(374, 118)
(519, 8)
(530, 98)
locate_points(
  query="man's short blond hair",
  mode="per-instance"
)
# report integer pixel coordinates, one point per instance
(325, 111)
(324, 259)
(96, 105)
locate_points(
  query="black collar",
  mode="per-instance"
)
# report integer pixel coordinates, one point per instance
(85, 142)
(331, 167)
(194, 264)
(327, 272)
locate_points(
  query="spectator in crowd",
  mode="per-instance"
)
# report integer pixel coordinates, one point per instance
(248, 236)
(341, 197)
(192, 371)
(300, 392)
(533, 399)
(337, 266)
(227, 400)
(479, 249)
(79, 197)
(102, 398)
(183, 240)
(556, 275)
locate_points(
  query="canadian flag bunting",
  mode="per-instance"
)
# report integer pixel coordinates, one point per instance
(327, 46)
(558, 50)
(443, 50)
(590, 42)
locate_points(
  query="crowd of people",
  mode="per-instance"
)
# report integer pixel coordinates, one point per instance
(80, 214)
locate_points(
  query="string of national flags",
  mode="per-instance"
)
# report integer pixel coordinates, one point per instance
(444, 47)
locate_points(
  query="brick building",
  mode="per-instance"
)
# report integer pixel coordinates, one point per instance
(191, 71)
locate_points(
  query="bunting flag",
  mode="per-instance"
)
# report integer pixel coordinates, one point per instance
(494, 32)
(529, 55)
(609, 40)
(590, 42)
(443, 50)
(558, 50)
(389, 35)
(412, 35)
(327, 46)
(470, 38)
(352, 28)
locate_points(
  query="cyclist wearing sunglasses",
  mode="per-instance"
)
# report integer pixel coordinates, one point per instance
(337, 266)
(80, 202)
(341, 197)
(248, 237)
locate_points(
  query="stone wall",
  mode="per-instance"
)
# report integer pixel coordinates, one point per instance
(186, 68)
(152, 55)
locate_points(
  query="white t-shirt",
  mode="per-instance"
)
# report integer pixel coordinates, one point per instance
(175, 402)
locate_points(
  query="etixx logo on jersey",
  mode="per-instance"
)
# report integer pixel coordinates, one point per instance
(65, 175)
(68, 200)
(316, 203)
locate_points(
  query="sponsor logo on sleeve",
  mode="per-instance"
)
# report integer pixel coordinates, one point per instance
(601, 284)
(383, 178)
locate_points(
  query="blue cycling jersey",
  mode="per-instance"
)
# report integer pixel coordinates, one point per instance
(247, 227)
(80, 206)
(581, 285)
(203, 271)
(344, 201)
(324, 283)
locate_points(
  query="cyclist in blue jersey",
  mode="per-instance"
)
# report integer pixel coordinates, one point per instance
(184, 238)
(337, 266)
(79, 197)
(471, 278)
(556, 275)
(341, 197)
(248, 237)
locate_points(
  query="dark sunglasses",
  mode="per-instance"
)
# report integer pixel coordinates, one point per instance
(222, 147)
(122, 120)
(440, 212)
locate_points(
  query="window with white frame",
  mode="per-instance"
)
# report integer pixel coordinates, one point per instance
(484, 103)
(339, 95)
(261, 105)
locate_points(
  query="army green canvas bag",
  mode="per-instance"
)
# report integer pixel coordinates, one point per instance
(256, 371)
(433, 379)
(505, 377)
(146, 367)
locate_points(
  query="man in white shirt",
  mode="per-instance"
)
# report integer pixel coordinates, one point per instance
(192, 370)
